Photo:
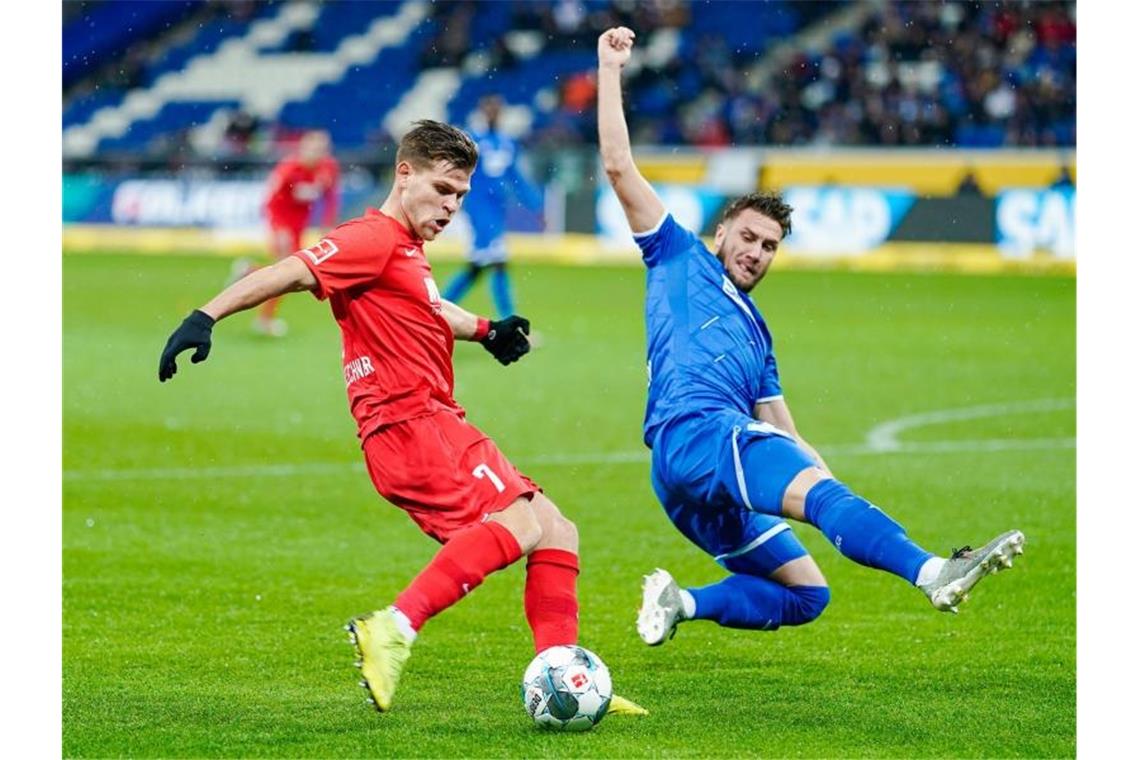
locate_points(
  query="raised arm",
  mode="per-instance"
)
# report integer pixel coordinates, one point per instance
(642, 207)
(286, 276)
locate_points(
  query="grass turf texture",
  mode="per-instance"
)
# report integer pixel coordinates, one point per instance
(204, 592)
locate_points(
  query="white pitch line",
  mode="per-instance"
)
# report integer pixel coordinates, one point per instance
(952, 447)
(884, 437)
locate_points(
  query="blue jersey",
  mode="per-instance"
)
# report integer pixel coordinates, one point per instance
(709, 351)
(496, 177)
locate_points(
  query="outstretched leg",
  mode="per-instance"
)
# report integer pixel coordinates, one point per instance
(384, 638)
(859, 530)
(774, 583)
(865, 534)
(793, 595)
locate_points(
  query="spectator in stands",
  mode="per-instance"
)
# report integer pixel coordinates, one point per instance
(454, 38)
(916, 73)
(175, 148)
(912, 73)
(580, 92)
(240, 133)
(301, 41)
(502, 57)
(235, 10)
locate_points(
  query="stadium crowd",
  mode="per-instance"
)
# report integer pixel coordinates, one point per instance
(932, 74)
(973, 74)
(913, 73)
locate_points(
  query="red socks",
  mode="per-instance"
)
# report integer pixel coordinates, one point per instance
(551, 599)
(458, 568)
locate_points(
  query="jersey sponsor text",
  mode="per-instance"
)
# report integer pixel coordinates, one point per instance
(357, 368)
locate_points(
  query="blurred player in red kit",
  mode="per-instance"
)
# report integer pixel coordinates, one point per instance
(423, 456)
(296, 183)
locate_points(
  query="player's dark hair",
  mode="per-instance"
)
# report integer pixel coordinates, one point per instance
(430, 141)
(770, 205)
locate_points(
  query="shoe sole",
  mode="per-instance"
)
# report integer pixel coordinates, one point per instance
(655, 583)
(1000, 558)
(354, 640)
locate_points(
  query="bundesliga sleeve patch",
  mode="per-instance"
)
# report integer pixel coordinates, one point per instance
(322, 251)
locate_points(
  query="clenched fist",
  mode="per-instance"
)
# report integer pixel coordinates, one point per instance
(615, 46)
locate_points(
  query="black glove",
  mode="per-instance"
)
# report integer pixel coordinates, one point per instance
(506, 340)
(194, 332)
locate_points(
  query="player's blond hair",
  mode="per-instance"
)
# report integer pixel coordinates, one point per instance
(431, 141)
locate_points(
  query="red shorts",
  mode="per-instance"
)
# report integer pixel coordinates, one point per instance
(284, 227)
(445, 473)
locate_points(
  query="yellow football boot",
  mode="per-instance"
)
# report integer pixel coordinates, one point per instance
(381, 653)
(622, 706)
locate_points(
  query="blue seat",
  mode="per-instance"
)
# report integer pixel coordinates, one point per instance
(80, 110)
(101, 34)
(979, 136)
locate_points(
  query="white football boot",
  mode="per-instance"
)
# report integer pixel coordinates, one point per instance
(661, 608)
(273, 328)
(967, 566)
(239, 269)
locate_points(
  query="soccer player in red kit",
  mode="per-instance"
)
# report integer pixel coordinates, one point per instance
(422, 455)
(296, 183)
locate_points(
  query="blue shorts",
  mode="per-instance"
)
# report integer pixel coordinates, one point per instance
(486, 253)
(722, 483)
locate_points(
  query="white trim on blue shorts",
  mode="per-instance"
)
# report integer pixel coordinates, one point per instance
(764, 428)
(767, 428)
(760, 540)
(740, 468)
(494, 252)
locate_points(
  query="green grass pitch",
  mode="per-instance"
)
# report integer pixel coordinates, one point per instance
(219, 529)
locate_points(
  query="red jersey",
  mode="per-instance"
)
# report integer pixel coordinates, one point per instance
(295, 187)
(397, 347)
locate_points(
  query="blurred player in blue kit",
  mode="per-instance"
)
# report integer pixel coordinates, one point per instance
(496, 181)
(728, 464)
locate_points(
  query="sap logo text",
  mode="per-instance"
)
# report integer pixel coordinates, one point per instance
(1034, 220)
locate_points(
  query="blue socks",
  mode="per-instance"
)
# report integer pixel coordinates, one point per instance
(501, 291)
(858, 529)
(500, 287)
(748, 601)
(460, 284)
(862, 532)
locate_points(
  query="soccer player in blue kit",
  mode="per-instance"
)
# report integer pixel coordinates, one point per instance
(728, 463)
(497, 178)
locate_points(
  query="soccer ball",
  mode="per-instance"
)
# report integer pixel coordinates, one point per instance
(567, 688)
